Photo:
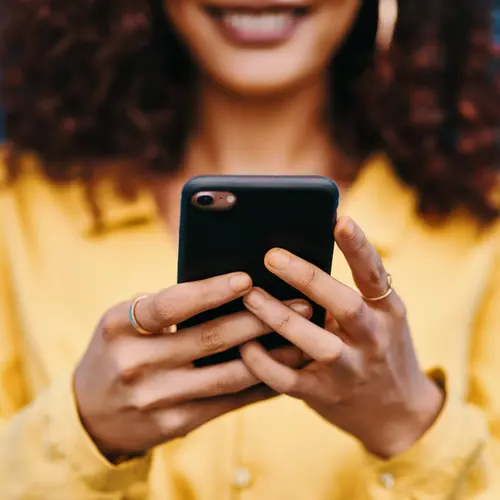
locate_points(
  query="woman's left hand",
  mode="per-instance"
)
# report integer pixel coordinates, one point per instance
(363, 376)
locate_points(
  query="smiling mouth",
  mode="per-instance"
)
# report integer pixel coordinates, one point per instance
(258, 26)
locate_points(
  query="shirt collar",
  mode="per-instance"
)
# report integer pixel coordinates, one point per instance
(116, 213)
(377, 201)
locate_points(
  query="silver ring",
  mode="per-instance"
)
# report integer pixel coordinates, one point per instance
(133, 319)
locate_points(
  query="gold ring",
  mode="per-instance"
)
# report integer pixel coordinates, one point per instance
(383, 296)
(133, 319)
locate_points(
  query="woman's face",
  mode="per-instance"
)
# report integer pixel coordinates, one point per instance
(261, 47)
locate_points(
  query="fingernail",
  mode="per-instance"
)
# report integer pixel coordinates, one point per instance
(254, 298)
(303, 308)
(278, 259)
(240, 282)
(349, 229)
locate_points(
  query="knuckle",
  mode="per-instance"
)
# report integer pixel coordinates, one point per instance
(139, 402)
(376, 273)
(330, 356)
(110, 325)
(211, 340)
(360, 245)
(251, 357)
(358, 242)
(362, 378)
(378, 342)
(290, 388)
(309, 276)
(355, 312)
(128, 368)
(175, 423)
(399, 309)
(335, 399)
(379, 348)
(128, 372)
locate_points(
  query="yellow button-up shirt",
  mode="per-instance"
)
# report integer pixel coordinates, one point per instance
(57, 277)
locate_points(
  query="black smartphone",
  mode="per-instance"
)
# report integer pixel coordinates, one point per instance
(229, 223)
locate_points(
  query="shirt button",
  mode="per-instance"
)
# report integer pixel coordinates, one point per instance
(387, 480)
(242, 478)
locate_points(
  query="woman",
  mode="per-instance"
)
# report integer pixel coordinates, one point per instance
(112, 106)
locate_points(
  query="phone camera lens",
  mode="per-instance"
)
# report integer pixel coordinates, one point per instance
(205, 200)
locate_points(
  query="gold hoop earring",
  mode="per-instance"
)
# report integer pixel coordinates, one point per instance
(388, 11)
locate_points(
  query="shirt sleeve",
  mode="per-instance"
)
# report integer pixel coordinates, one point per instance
(459, 457)
(44, 450)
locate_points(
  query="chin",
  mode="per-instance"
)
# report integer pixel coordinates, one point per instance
(265, 47)
(257, 89)
(261, 84)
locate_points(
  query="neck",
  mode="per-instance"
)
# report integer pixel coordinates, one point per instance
(286, 134)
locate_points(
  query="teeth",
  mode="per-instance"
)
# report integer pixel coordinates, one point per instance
(260, 23)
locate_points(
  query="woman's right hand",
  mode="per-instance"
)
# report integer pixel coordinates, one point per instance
(137, 391)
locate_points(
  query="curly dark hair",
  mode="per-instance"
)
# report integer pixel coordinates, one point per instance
(87, 81)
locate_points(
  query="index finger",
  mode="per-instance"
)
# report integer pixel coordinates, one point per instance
(366, 265)
(180, 302)
(342, 302)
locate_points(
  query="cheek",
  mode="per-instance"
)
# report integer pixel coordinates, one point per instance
(189, 21)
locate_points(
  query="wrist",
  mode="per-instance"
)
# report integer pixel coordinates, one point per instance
(401, 431)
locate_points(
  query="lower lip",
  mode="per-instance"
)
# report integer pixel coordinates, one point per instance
(257, 36)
